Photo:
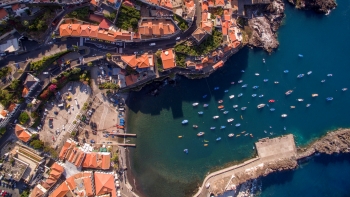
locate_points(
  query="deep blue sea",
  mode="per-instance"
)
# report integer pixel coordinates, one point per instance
(163, 169)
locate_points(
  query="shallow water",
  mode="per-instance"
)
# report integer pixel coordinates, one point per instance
(159, 163)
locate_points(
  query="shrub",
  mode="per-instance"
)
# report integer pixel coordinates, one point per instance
(14, 84)
(52, 87)
(37, 144)
(46, 61)
(89, 64)
(23, 118)
(128, 17)
(5, 71)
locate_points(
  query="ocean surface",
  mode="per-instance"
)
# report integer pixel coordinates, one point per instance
(163, 169)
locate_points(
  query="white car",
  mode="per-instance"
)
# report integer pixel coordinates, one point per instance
(70, 88)
(178, 38)
(101, 67)
(45, 73)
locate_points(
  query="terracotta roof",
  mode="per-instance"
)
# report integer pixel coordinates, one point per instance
(207, 26)
(105, 35)
(204, 16)
(205, 59)
(65, 30)
(22, 133)
(159, 28)
(104, 184)
(199, 34)
(105, 24)
(37, 192)
(130, 79)
(111, 1)
(168, 59)
(204, 7)
(3, 13)
(95, 18)
(199, 66)
(218, 65)
(128, 3)
(189, 3)
(211, 3)
(11, 107)
(224, 28)
(15, 7)
(64, 150)
(140, 61)
(106, 162)
(232, 35)
(3, 113)
(94, 2)
(236, 44)
(219, 2)
(76, 29)
(60, 191)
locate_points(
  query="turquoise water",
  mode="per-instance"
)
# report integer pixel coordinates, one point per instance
(159, 163)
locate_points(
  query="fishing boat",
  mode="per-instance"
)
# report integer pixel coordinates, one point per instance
(195, 126)
(205, 105)
(284, 128)
(257, 74)
(344, 89)
(243, 132)
(220, 106)
(244, 86)
(300, 55)
(329, 98)
(231, 135)
(309, 73)
(242, 71)
(225, 112)
(235, 106)
(261, 95)
(206, 141)
(276, 82)
(184, 122)
(232, 82)
(240, 94)
(240, 81)
(263, 60)
(300, 100)
(286, 71)
(237, 125)
(243, 108)
(230, 120)
(314, 95)
(200, 112)
(292, 107)
(212, 128)
(308, 105)
(220, 101)
(241, 117)
(322, 81)
(284, 115)
(272, 109)
(180, 136)
(255, 87)
(265, 131)
(329, 75)
(186, 151)
(200, 134)
(226, 91)
(271, 101)
(204, 96)
(261, 106)
(238, 135)
(289, 92)
(215, 117)
(253, 95)
(205, 144)
(195, 104)
(251, 135)
(300, 76)
(216, 88)
(222, 127)
(218, 139)
(232, 96)
(266, 80)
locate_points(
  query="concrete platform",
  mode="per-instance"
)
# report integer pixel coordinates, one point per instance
(276, 147)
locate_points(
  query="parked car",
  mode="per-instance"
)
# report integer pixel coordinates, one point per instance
(178, 38)
(152, 44)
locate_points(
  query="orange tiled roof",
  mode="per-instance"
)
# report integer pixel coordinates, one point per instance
(207, 26)
(204, 16)
(232, 35)
(76, 29)
(25, 91)
(11, 107)
(189, 3)
(211, 3)
(133, 61)
(205, 59)
(94, 2)
(3, 13)
(168, 59)
(111, 1)
(236, 44)
(158, 28)
(106, 162)
(218, 65)
(36, 192)
(104, 24)
(224, 28)
(204, 7)
(15, 7)
(166, 3)
(61, 190)
(64, 150)
(104, 184)
(96, 18)
(227, 48)
(65, 30)
(3, 113)
(219, 2)
(21, 133)
(130, 79)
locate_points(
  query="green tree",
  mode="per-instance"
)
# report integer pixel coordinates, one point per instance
(23, 118)
(25, 23)
(37, 144)
(54, 81)
(75, 47)
(89, 63)
(108, 55)
(25, 193)
(76, 70)
(14, 84)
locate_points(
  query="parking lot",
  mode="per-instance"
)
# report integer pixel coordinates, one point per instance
(63, 111)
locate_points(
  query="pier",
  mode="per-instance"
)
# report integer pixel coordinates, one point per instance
(270, 152)
(125, 134)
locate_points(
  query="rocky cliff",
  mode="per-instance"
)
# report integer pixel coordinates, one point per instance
(323, 6)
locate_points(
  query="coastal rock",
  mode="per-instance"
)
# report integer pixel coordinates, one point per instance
(323, 6)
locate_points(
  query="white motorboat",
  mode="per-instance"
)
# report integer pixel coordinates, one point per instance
(309, 73)
(344, 89)
(243, 108)
(284, 115)
(200, 134)
(200, 112)
(286, 71)
(230, 120)
(300, 100)
(195, 104)
(289, 92)
(261, 106)
(255, 87)
(272, 109)
(232, 96)
(235, 106)
(257, 74)
(226, 91)
(276, 82)
(314, 95)
(329, 75)
(240, 81)
(253, 95)
(238, 124)
(225, 112)
(322, 81)
(300, 76)
(205, 105)
(244, 86)
(266, 80)
(261, 95)
(308, 105)
(215, 117)
(184, 122)
(264, 60)
(329, 98)
(231, 135)
(240, 94)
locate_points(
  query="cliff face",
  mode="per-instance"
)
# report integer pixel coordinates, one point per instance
(322, 6)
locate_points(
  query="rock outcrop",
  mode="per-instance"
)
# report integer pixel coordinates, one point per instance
(323, 6)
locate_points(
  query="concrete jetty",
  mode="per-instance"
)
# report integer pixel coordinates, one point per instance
(270, 151)
(125, 134)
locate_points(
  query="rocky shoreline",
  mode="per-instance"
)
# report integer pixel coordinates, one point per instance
(322, 6)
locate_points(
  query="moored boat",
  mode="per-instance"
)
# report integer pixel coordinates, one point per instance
(231, 135)
(216, 88)
(329, 98)
(180, 136)
(186, 151)
(314, 95)
(205, 105)
(300, 100)
(232, 96)
(222, 127)
(200, 134)
(286, 71)
(238, 124)
(195, 126)
(232, 82)
(238, 135)
(272, 109)
(257, 74)
(240, 81)
(300, 55)
(276, 82)
(212, 128)
(344, 89)
(204, 96)
(230, 120)
(255, 87)
(266, 80)
(215, 117)
(244, 86)
(220, 106)
(308, 105)
(329, 75)
(289, 92)
(253, 95)
(218, 139)
(242, 71)
(195, 104)
(271, 101)
(226, 91)
(220, 101)
(264, 60)
(292, 107)
(309, 73)
(205, 144)
(322, 81)
(243, 108)
(261, 95)
(235, 106)
(284, 115)
(200, 112)
(184, 122)
(225, 112)
(240, 94)
(300, 76)
(261, 106)
(251, 135)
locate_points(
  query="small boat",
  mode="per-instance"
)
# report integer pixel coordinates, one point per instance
(184, 122)
(244, 86)
(205, 96)
(329, 98)
(238, 135)
(238, 124)
(272, 109)
(243, 108)
(195, 126)
(271, 133)
(261, 106)
(344, 89)
(206, 141)
(230, 120)
(322, 81)
(226, 91)
(225, 112)
(232, 82)
(216, 88)
(246, 134)
(200, 134)
(251, 135)
(266, 80)
(235, 106)
(241, 117)
(265, 131)
(222, 127)
(240, 94)
(314, 95)
(220, 106)
(255, 87)
(205, 144)
(200, 112)
(308, 105)
(263, 60)
(300, 55)
(180, 136)
(218, 139)
(231, 135)
(261, 95)
(300, 76)
(284, 128)
(240, 81)
(253, 95)
(284, 115)
(243, 132)
(329, 75)
(309, 73)
(300, 100)
(205, 105)
(186, 151)
(286, 71)
(232, 96)
(242, 71)
(257, 74)
(276, 82)
(212, 128)
(292, 107)
(289, 92)
(271, 101)
(215, 117)
(220, 101)
(195, 104)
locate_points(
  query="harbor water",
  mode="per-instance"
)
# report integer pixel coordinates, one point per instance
(159, 163)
